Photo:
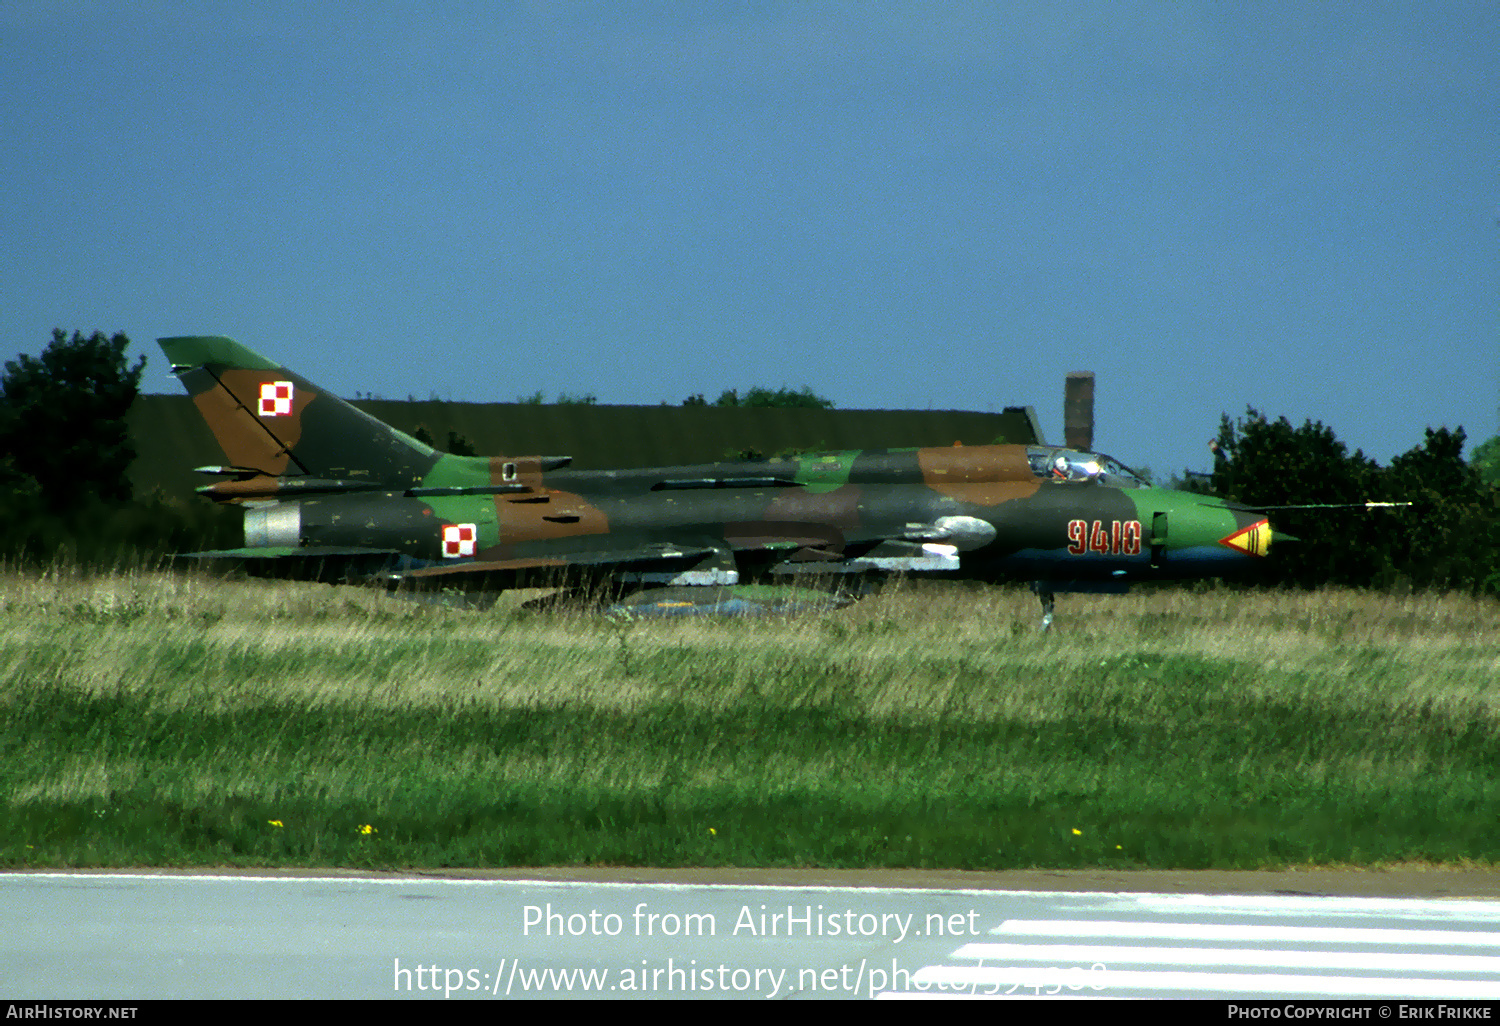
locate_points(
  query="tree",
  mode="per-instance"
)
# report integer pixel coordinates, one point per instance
(1485, 458)
(780, 398)
(1450, 536)
(62, 418)
(1194, 482)
(1261, 462)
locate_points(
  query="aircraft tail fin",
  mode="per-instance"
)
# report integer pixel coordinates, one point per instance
(274, 422)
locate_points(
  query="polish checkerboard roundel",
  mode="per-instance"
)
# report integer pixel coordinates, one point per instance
(276, 399)
(458, 540)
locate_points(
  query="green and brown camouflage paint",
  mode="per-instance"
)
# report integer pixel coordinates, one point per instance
(331, 492)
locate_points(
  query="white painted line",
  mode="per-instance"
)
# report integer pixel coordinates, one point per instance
(980, 981)
(1109, 954)
(1081, 928)
(928, 995)
(1281, 904)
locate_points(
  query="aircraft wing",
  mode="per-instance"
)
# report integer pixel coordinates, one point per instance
(789, 552)
(327, 563)
(648, 563)
(268, 552)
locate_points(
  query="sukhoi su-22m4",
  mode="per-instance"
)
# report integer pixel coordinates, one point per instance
(330, 493)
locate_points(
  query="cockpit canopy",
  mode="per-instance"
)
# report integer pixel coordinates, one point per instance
(1056, 464)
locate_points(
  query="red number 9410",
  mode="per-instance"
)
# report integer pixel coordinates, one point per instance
(1120, 538)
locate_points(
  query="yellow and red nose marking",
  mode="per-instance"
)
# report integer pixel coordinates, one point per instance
(1254, 540)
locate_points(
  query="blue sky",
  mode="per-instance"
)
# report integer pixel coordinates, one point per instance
(1295, 206)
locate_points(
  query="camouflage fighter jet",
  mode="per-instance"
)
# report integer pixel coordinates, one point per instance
(330, 493)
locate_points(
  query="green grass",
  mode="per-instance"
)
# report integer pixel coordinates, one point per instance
(149, 719)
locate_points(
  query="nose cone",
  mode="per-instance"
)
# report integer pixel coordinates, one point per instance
(1252, 539)
(1194, 536)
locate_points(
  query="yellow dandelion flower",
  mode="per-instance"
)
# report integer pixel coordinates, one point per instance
(1077, 832)
(366, 828)
(275, 823)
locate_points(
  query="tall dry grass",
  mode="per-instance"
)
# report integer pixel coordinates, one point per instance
(160, 718)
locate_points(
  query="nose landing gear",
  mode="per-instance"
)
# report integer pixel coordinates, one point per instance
(1043, 591)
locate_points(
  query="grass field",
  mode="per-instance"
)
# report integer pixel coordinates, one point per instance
(151, 719)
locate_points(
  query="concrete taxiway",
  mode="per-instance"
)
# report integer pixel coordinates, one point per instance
(760, 934)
